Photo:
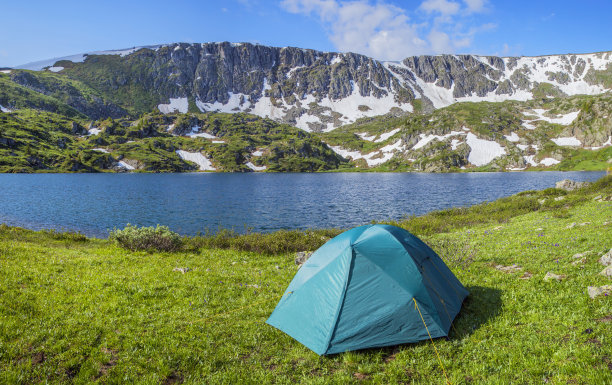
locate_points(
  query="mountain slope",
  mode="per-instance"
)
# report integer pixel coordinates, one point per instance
(426, 113)
(319, 91)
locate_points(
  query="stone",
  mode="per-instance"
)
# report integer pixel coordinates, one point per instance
(607, 272)
(301, 257)
(570, 185)
(579, 261)
(583, 254)
(585, 223)
(606, 259)
(508, 269)
(595, 291)
(550, 276)
(571, 225)
(182, 270)
(526, 275)
(557, 199)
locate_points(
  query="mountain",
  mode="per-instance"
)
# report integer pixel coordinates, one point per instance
(467, 111)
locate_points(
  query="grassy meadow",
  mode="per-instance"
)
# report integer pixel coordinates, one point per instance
(80, 310)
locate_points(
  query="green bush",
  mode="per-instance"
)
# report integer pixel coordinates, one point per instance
(158, 238)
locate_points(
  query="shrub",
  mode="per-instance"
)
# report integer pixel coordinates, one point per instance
(135, 238)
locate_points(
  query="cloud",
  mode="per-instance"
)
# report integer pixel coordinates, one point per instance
(475, 5)
(385, 31)
(441, 6)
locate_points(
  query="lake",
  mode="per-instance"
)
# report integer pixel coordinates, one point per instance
(190, 203)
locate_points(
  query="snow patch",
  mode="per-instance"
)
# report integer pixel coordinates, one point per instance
(197, 158)
(5, 71)
(549, 161)
(568, 141)
(563, 119)
(94, 131)
(176, 104)
(125, 165)
(4, 109)
(513, 137)
(55, 69)
(257, 153)
(366, 136)
(374, 158)
(483, 151)
(387, 135)
(425, 139)
(101, 150)
(255, 168)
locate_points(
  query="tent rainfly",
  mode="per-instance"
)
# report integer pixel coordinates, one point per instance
(361, 290)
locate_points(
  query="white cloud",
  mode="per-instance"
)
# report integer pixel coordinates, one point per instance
(442, 6)
(386, 31)
(475, 5)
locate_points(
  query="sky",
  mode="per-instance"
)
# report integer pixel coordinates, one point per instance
(386, 29)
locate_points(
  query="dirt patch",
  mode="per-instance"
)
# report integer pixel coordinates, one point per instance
(111, 362)
(174, 378)
(607, 318)
(38, 358)
(360, 376)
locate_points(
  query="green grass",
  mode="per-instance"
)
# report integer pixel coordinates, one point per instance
(75, 310)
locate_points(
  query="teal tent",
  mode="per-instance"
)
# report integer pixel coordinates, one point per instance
(368, 287)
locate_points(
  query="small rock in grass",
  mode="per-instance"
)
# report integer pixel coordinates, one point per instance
(571, 225)
(606, 259)
(277, 267)
(254, 286)
(508, 269)
(583, 254)
(585, 223)
(550, 276)
(595, 291)
(539, 229)
(233, 263)
(607, 272)
(597, 197)
(182, 270)
(541, 201)
(526, 275)
(606, 223)
(301, 257)
(557, 199)
(579, 261)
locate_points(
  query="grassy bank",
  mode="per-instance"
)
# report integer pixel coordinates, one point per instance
(78, 310)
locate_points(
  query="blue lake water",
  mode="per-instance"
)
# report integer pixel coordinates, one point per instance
(191, 203)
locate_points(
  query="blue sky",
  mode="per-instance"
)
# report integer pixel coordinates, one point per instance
(388, 30)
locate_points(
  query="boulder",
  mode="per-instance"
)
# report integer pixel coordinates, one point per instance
(550, 276)
(607, 272)
(570, 185)
(595, 291)
(606, 259)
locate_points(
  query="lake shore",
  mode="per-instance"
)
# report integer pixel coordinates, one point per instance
(77, 309)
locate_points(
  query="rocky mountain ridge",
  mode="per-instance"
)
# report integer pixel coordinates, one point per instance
(320, 91)
(426, 113)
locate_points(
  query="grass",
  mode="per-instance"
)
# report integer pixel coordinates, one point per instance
(75, 310)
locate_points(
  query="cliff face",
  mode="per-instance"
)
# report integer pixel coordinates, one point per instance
(320, 91)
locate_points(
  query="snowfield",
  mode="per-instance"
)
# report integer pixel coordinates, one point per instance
(197, 158)
(255, 168)
(568, 141)
(176, 105)
(483, 151)
(125, 165)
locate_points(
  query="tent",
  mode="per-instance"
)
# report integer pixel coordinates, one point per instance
(371, 286)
